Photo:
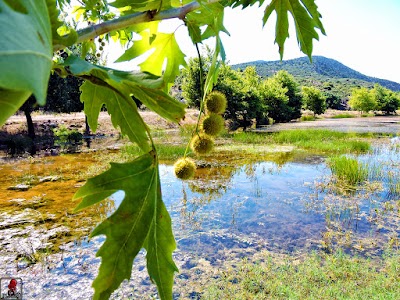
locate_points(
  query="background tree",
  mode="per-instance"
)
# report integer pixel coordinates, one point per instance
(63, 95)
(276, 100)
(243, 96)
(313, 99)
(387, 101)
(363, 100)
(241, 88)
(294, 103)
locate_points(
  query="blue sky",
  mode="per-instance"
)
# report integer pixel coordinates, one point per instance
(362, 34)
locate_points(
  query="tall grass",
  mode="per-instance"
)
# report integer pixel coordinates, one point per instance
(348, 170)
(321, 140)
(308, 118)
(343, 116)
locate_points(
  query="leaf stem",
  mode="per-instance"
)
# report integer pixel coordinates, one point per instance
(201, 97)
(125, 21)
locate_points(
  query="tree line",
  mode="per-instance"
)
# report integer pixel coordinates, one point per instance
(251, 99)
(275, 99)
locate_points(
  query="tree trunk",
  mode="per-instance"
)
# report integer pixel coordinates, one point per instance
(31, 131)
(29, 122)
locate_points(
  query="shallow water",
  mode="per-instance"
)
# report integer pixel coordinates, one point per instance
(232, 211)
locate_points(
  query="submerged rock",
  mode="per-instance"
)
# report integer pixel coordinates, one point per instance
(49, 178)
(19, 187)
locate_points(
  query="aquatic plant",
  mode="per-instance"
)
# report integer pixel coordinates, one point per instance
(318, 140)
(347, 170)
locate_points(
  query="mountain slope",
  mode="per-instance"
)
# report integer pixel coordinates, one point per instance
(322, 70)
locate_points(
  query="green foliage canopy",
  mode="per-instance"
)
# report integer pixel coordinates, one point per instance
(362, 100)
(33, 33)
(387, 101)
(313, 99)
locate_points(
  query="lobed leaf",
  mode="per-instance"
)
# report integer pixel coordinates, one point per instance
(160, 102)
(25, 52)
(160, 244)
(306, 18)
(120, 106)
(209, 15)
(70, 37)
(165, 49)
(144, 86)
(140, 220)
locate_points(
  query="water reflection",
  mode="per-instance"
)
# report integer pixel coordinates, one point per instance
(283, 207)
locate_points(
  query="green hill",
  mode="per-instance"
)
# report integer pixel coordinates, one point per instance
(325, 73)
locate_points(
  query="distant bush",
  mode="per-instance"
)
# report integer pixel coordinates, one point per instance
(343, 116)
(308, 118)
(68, 139)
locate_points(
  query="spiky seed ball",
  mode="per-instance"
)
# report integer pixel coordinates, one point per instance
(215, 103)
(202, 144)
(184, 168)
(213, 124)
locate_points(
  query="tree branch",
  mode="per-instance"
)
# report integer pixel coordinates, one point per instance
(125, 21)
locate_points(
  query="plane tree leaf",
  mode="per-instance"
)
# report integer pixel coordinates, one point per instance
(160, 102)
(108, 86)
(165, 49)
(10, 102)
(120, 106)
(306, 19)
(160, 244)
(25, 53)
(141, 220)
(141, 46)
(130, 6)
(209, 16)
(70, 36)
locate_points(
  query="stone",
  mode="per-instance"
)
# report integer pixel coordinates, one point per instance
(19, 187)
(49, 178)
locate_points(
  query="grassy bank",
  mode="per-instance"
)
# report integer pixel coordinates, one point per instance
(317, 140)
(325, 277)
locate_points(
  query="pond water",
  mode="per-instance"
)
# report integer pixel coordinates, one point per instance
(234, 210)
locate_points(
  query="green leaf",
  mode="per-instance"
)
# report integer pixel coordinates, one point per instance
(306, 18)
(10, 102)
(163, 47)
(25, 51)
(160, 102)
(212, 75)
(139, 47)
(114, 78)
(70, 37)
(120, 106)
(160, 244)
(130, 6)
(146, 87)
(140, 220)
(209, 15)
(166, 48)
